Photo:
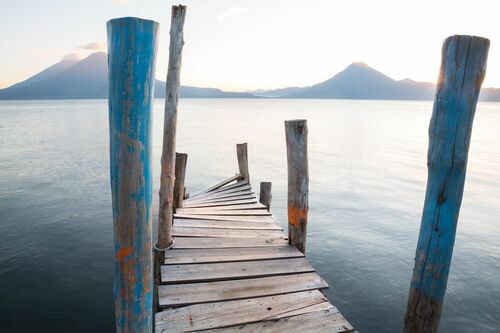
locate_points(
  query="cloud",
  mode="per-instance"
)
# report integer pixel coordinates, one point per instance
(233, 11)
(72, 56)
(95, 46)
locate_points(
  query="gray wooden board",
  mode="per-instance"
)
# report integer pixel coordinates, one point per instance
(226, 224)
(225, 218)
(228, 203)
(244, 196)
(192, 256)
(233, 270)
(230, 313)
(219, 243)
(236, 212)
(219, 185)
(247, 206)
(326, 321)
(222, 192)
(218, 233)
(205, 292)
(223, 196)
(224, 188)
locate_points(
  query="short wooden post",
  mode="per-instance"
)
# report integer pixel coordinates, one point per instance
(180, 173)
(132, 45)
(463, 67)
(265, 194)
(241, 151)
(298, 182)
(167, 175)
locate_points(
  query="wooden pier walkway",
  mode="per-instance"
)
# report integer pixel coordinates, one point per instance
(232, 270)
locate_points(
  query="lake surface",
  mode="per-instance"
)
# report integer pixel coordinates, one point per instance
(367, 181)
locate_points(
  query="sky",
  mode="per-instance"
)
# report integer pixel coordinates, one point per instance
(247, 45)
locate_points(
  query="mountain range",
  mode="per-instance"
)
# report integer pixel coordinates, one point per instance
(88, 78)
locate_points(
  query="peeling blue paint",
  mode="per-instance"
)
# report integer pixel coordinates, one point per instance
(132, 46)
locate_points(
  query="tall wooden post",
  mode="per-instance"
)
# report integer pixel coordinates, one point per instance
(463, 67)
(298, 182)
(167, 177)
(132, 45)
(265, 194)
(242, 153)
(180, 174)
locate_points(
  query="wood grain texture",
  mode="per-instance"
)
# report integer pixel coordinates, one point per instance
(204, 292)
(463, 68)
(227, 224)
(242, 186)
(227, 218)
(221, 233)
(223, 183)
(225, 212)
(223, 314)
(326, 321)
(132, 46)
(192, 256)
(250, 206)
(265, 195)
(233, 270)
(211, 243)
(242, 155)
(180, 173)
(298, 182)
(225, 204)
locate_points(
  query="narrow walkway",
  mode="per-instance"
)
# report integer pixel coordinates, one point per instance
(232, 270)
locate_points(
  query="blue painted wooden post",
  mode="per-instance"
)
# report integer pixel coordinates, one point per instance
(132, 45)
(463, 67)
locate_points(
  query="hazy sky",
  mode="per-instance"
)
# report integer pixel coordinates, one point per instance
(244, 45)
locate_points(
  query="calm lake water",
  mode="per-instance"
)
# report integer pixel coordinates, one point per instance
(367, 182)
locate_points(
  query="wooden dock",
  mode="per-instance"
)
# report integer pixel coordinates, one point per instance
(231, 269)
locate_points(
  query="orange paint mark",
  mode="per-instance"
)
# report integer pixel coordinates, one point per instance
(296, 215)
(123, 253)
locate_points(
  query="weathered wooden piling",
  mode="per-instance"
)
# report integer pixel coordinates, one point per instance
(265, 194)
(463, 67)
(242, 153)
(132, 45)
(298, 182)
(180, 174)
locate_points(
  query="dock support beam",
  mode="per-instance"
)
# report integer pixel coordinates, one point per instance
(242, 152)
(463, 67)
(167, 176)
(265, 194)
(132, 45)
(298, 182)
(180, 174)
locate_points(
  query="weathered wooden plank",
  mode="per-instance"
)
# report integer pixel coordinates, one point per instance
(233, 270)
(242, 154)
(218, 233)
(224, 212)
(326, 321)
(230, 207)
(227, 218)
(463, 67)
(180, 173)
(204, 292)
(219, 185)
(222, 191)
(222, 203)
(209, 243)
(191, 256)
(223, 314)
(226, 224)
(132, 45)
(265, 195)
(238, 197)
(223, 195)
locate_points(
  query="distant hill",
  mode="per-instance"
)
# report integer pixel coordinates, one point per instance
(88, 79)
(360, 81)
